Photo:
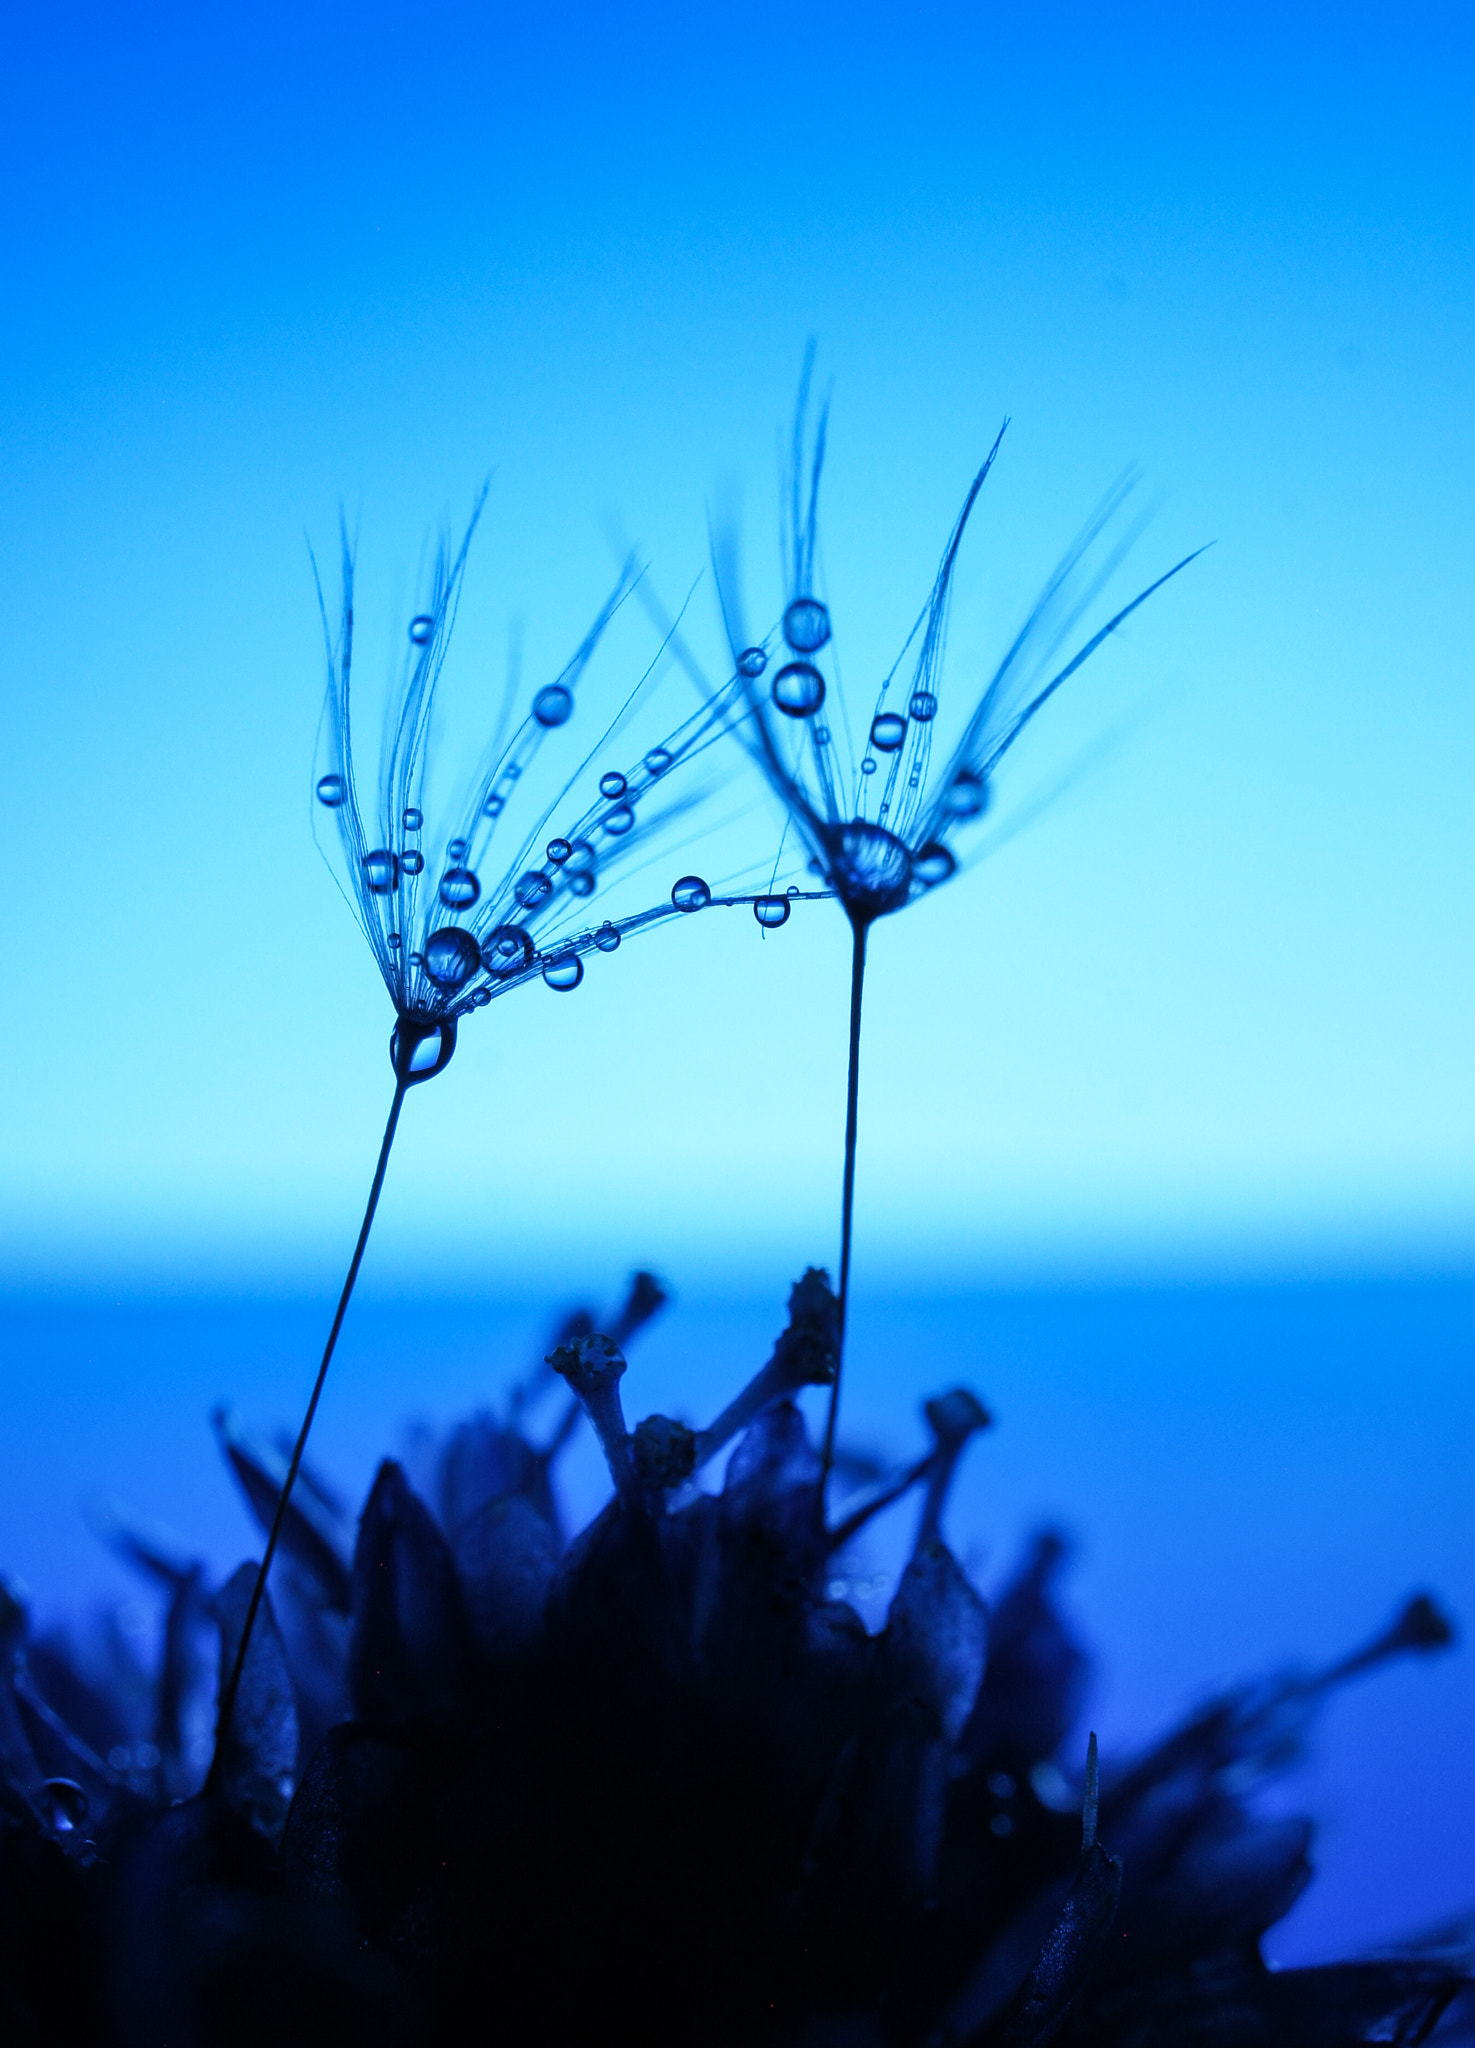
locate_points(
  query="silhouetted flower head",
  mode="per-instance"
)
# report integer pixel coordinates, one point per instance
(659, 1782)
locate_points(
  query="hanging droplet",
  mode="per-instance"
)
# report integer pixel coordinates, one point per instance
(558, 851)
(456, 851)
(580, 858)
(564, 972)
(459, 888)
(607, 938)
(581, 884)
(420, 1046)
(966, 795)
(381, 871)
(691, 893)
(658, 760)
(421, 628)
(553, 704)
(771, 911)
(923, 706)
(619, 820)
(868, 765)
(932, 863)
(66, 1804)
(411, 861)
(752, 662)
(870, 868)
(798, 690)
(452, 956)
(508, 950)
(494, 805)
(888, 730)
(331, 790)
(806, 625)
(532, 889)
(612, 784)
(412, 820)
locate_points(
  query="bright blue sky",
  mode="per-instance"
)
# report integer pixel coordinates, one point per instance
(1211, 1007)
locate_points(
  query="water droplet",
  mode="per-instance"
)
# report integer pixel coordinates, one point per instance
(66, 1804)
(412, 862)
(393, 942)
(459, 887)
(792, 890)
(581, 857)
(821, 735)
(923, 706)
(691, 893)
(619, 820)
(494, 805)
(558, 851)
(869, 867)
(507, 950)
(421, 628)
(553, 704)
(966, 795)
(479, 998)
(806, 625)
(420, 1046)
(772, 911)
(532, 889)
(331, 790)
(412, 820)
(452, 956)
(888, 730)
(868, 765)
(456, 850)
(417, 959)
(798, 690)
(564, 972)
(607, 939)
(612, 785)
(752, 662)
(381, 871)
(658, 760)
(932, 863)
(581, 885)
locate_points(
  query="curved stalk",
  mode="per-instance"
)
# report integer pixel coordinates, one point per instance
(859, 927)
(233, 1683)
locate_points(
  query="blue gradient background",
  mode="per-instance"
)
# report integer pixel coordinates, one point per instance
(1197, 1040)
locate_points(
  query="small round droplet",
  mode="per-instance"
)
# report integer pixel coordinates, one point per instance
(532, 889)
(494, 805)
(456, 850)
(806, 625)
(421, 628)
(558, 851)
(412, 862)
(967, 795)
(581, 857)
(479, 998)
(923, 706)
(821, 735)
(888, 730)
(459, 888)
(66, 1804)
(508, 950)
(581, 885)
(619, 820)
(792, 890)
(553, 704)
(607, 938)
(452, 956)
(932, 863)
(331, 790)
(798, 690)
(412, 820)
(381, 871)
(394, 942)
(771, 911)
(752, 662)
(658, 760)
(564, 972)
(691, 893)
(868, 765)
(612, 785)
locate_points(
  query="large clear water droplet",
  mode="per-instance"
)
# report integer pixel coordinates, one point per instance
(923, 706)
(508, 950)
(612, 784)
(658, 760)
(421, 628)
(412, 819)
(870, 868)
(691, 893)
(752, 662)
(888, 730)
(558, 851)
(381, 871)
(932, 863)
(564, 972)
(412, 862)
(66, 1804)
(459, 888)
(966, 795)
(798, 690)
(532, 888)
(420, 1046)
(607, 938)
(553, 704)
(772, 911)
(618, 821)
(806, 625)
(331, 790)
(452, 956)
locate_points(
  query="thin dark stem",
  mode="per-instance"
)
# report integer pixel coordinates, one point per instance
(233, 1683)
(847, 1199)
